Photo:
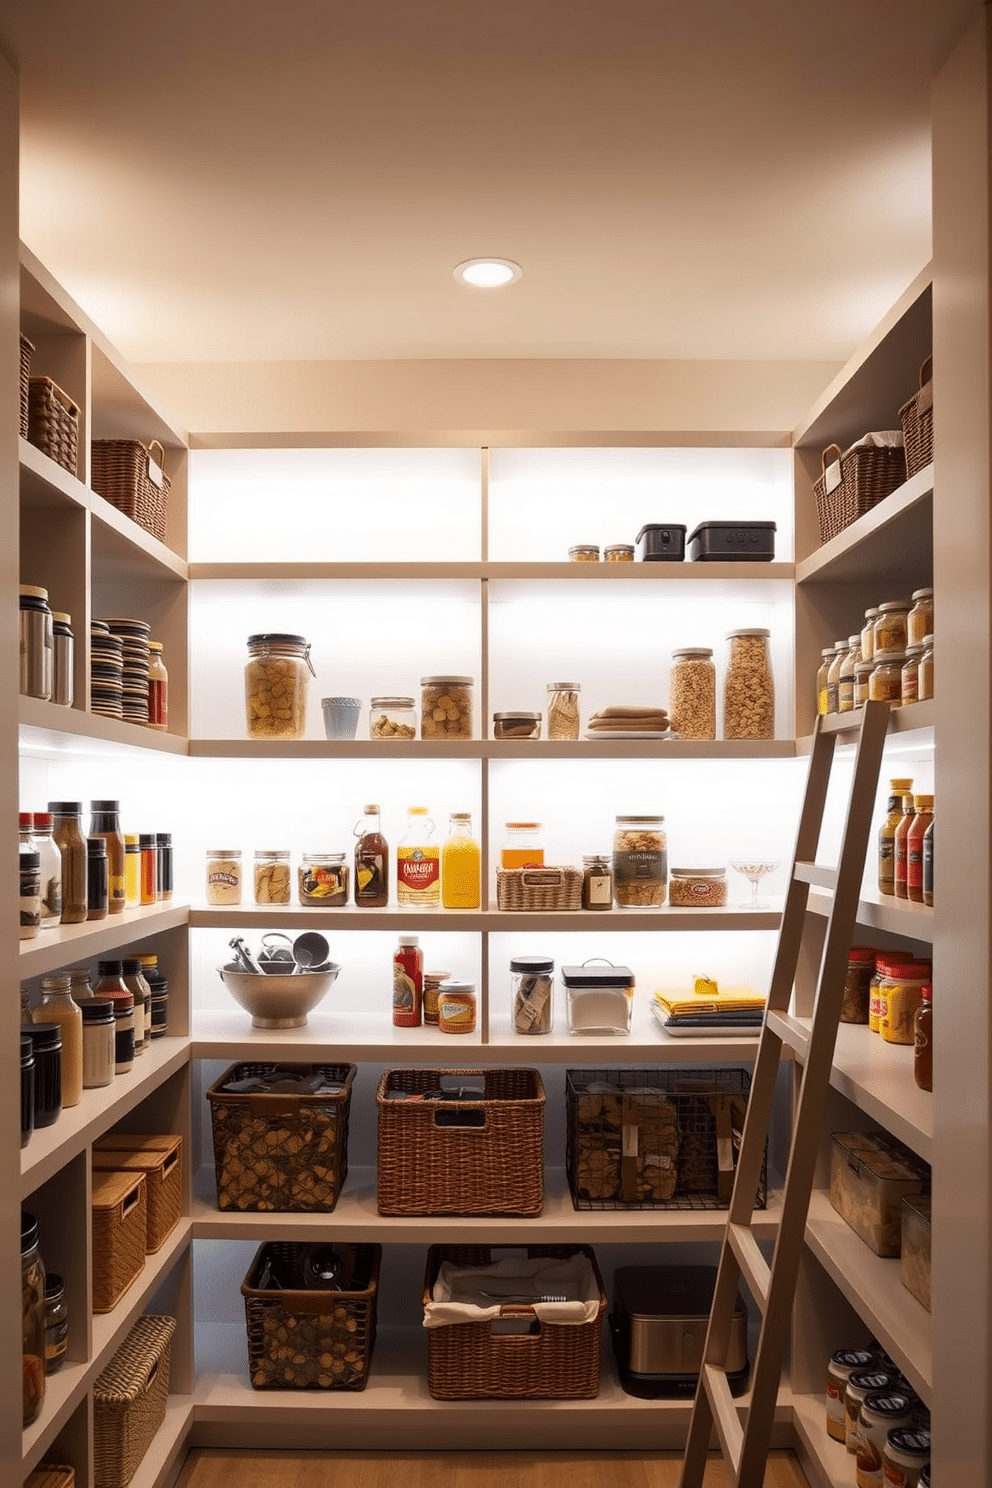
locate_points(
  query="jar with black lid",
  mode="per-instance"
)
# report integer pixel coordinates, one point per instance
(906, 1457)
(27, 1088)
(67, 832)
(165, 865)
(98, 1042)
(532, 988)
(842, 1364)
(277, 675)
(32, 1318)
(36, 637)
(47, 1041)
(159, 984)
(30, 892)
(56, 1323)
(132, 975)
(110, 985)
(105, 822)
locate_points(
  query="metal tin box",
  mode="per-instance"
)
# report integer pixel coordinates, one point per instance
(663, 541)
(658, 1324)
(734, 542)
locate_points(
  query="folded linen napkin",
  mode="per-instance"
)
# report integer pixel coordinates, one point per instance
(458, 1291)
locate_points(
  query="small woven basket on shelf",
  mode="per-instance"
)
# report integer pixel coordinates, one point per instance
(851, 484)
(51, 1475)
(131, 476)
(477, 1151)
(539, 888)
(474, 1361)
(27, 350)
(129, 1401)
(119, 1231)
(916, 417)
(160, 1159)
(53, 422)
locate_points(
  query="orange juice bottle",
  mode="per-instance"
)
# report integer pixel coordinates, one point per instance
(461, 865)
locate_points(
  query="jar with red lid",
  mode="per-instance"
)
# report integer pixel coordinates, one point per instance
(900, 992)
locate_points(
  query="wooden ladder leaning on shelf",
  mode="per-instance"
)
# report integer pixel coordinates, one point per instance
(745, 1444)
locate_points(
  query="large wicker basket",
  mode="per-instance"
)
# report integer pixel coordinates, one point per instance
(481, 1152)
(852, 483)
(916, 417)
(129, 1401)
(27, 350)
(131, 476)
(539, 888)
(119, 1231)
(549, 1361)
(53, 422)
(160, 1159)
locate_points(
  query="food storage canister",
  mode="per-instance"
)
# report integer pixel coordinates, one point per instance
(98, 1041)
(749, 688)
(36, 642)
(885, 682)
(532, 993)
(516, 725)
(697, 888)
(47, 1041)
(599, 999)
(563, 710)
(619, 553)
(392, 718)
(662, 542)
(277, 676)
(63, 659)
(924, 671)
(32, 1318)
(640, 862)
(272, 875)
(692, 693)
(890, 626)
(323, 879)
(919, 621)
(446, 707)
(584, 553)
(224, 875)
(522, 845)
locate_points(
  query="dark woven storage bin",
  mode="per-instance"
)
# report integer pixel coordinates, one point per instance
(868, 475)
(281, 1151)
(916, 418)
(131, 476)
(310, 1337)
(655, 1138)
(483, 1154)
(27, 351)
(53, 422)
(129, 1401)
(471, 1361)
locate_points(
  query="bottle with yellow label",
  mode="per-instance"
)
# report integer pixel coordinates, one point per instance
(461, 865)
(418, 862)
(887, 834)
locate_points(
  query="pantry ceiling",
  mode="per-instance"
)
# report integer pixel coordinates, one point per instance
(232, 180)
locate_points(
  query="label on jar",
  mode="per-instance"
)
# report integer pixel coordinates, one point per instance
(456, 1011)
(640, 866)
(322, 883)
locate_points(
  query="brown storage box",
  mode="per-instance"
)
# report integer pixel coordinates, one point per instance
(548, 1361)
(482, 1153)
(129, 1401)
(663, 1138)
(870, 1174)
(119, 1229)
(53, 422)
(304, 1336)
(131, 476)
(281, 1151)
(915, 1253)
(160, 1159)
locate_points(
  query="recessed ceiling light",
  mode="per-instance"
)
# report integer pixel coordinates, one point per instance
(488, 273)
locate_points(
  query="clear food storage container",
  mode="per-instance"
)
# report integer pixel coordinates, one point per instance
(748, 689)
(446, 707)
(392, 718)
(599, 999)
(277, 675)
(640, 862)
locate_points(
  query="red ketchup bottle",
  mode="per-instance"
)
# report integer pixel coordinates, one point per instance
(408, 983)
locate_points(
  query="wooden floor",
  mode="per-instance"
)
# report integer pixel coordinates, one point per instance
(215, 1468)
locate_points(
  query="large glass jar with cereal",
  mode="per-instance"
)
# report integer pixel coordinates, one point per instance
(748, 687)
(276, 678)
(640, 862)
(692, 688)
(446, 707)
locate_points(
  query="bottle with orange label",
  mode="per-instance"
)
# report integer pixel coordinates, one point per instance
(914, 848)
(887, 832)
(900, 848)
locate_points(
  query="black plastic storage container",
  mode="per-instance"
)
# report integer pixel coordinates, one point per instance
(663, 542)
(734, 542)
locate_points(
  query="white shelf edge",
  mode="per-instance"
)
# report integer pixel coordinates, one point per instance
(816, 568)
(880, 912)
(51, 731)
(53, 949)
(538, 569)
(204, 916)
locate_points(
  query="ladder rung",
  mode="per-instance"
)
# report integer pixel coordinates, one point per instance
(725, 1417)
(754, 1268)
(815, 875)
(789, 1030)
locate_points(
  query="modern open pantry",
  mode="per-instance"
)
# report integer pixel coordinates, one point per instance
(461, 566)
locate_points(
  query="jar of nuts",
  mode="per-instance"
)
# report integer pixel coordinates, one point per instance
(640, 862)
(697, 888)
(392, 718)
(272, 875)
(692, 687)
(446, 707)
(276, 678)
(748, 687)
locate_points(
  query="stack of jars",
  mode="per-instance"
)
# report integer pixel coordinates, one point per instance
(890, 659)
(748, 689)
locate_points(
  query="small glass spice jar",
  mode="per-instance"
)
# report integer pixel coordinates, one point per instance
(584, 553)
(277, 675)
(619, 553)
(890, 627)
(392, 718)
(532, 993)
(597, 881)
(456, 1007)
(919, 621)
(868, 633)
(885, 682)
(826, 657)
(909, 679)
(432, 986)
(845, 685)
(323, 879)
(272, 875)
(563, 710)
(148, 843)
(833, 677)
(224, 875)
(862, 682)
(56, 1323)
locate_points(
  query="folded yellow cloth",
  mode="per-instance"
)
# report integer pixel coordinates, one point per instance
(731, 1000)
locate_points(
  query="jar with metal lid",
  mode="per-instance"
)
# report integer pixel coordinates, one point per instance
(906, 1457)
(63, 659)
(822, 698)
(862, 682)
(272, 875)
(323, 879)
(862, 1382)
(46, 1039)
(748, 687)
(909, 682)
(885, 682)
(277, 676)
(56, 1323)
(857, 984)
(563, 710)
(924, 671)
(584, 553)
(692, 693)
(27, 1088)
(223, 875)
(98, 1042)
(845, 685)
(522, 845)
(890, 631)
(640, 862)
(29, 892)
(36, 639)
(32, 1318)
(882, 1411)
(868, 633)
(900, 993)
(456, 1007)
(919, 621)
(697, 888)
(392, 718)
(883, 961)
(842, 1364)
(619, 553)
(532, 991)
(516, 725)
(446, 707)
(833, 677)
(432, 987)
(597, 881)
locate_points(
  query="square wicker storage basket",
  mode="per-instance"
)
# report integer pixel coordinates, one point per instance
(310, 1337)
(474, 1361)
(27, 351)
(51, 1475)
(131, 476)
(129, 1400)
(482, 1153)
(539, 888)
(160, 1159)
(655, 1138)
(119, 1229)
(868, 474)
(281, 1151)
(53, 422)
(916, 418)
